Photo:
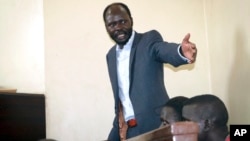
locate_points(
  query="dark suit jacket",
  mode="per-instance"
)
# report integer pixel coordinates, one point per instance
(147, 91)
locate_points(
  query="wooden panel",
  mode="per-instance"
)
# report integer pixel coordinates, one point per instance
(22, 117)
(179, 131)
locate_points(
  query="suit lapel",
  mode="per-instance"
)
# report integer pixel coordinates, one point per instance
(113, 64)
(132, 58)
(113, 70)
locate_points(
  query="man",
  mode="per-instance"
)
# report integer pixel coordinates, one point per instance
(135, 66)
(172, 110)
(211, 115)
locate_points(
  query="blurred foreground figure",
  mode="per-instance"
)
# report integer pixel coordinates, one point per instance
(172, 110)
(211, 115)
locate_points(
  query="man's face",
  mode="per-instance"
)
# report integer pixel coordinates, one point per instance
(169, 116)
(118, 24)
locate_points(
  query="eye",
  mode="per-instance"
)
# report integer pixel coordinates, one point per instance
(123, 21)
(112, 24)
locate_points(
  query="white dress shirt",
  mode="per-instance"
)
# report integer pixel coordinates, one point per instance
(123, 56)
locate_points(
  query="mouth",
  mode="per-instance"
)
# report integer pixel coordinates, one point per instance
(121, 35)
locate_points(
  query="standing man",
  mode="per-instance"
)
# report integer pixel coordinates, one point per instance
(135, 66)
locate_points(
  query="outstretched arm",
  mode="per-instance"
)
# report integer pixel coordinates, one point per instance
(189, 49)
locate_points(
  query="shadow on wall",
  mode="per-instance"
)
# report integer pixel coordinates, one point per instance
(180, 68)
(239, 80)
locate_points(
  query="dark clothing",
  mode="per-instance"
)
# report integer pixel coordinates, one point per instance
(147, 90)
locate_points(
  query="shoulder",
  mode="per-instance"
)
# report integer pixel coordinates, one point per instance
(152, 32)
(111, 51)
(152, 35)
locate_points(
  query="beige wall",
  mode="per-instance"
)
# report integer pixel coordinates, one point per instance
(79, 101)
(22, 45)
(229, 51)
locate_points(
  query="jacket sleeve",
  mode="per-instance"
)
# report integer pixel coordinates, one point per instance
(165, 52)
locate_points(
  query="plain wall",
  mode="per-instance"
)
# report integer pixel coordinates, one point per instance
(58, 47)
(22, 45)
(229, 51)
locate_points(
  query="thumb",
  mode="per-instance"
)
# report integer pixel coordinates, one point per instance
(186, 38)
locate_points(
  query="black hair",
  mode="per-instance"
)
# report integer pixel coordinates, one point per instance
(210, 107)
(117, 3)
(176, 103)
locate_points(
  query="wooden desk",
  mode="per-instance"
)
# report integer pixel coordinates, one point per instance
(22, 117)
(179, 131)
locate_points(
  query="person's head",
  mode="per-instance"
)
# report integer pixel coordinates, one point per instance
(210, 113)
(172, 110)
(118, 22)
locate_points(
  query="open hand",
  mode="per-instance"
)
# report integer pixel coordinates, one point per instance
(189, 49)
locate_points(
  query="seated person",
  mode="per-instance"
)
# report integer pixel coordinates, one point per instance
(172, 110)
(210, 113)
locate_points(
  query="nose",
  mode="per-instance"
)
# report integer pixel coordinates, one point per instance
(118, 26)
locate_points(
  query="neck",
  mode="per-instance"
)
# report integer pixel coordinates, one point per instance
(121, 46)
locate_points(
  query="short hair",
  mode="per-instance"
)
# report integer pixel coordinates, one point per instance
(210, 107)
(176, 103)
(116, 3)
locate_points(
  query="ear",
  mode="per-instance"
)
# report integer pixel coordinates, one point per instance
(207, 125)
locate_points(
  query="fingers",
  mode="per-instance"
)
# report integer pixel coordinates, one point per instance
(193, 51)
(192, 46)
(190, 50)
(186, 38)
